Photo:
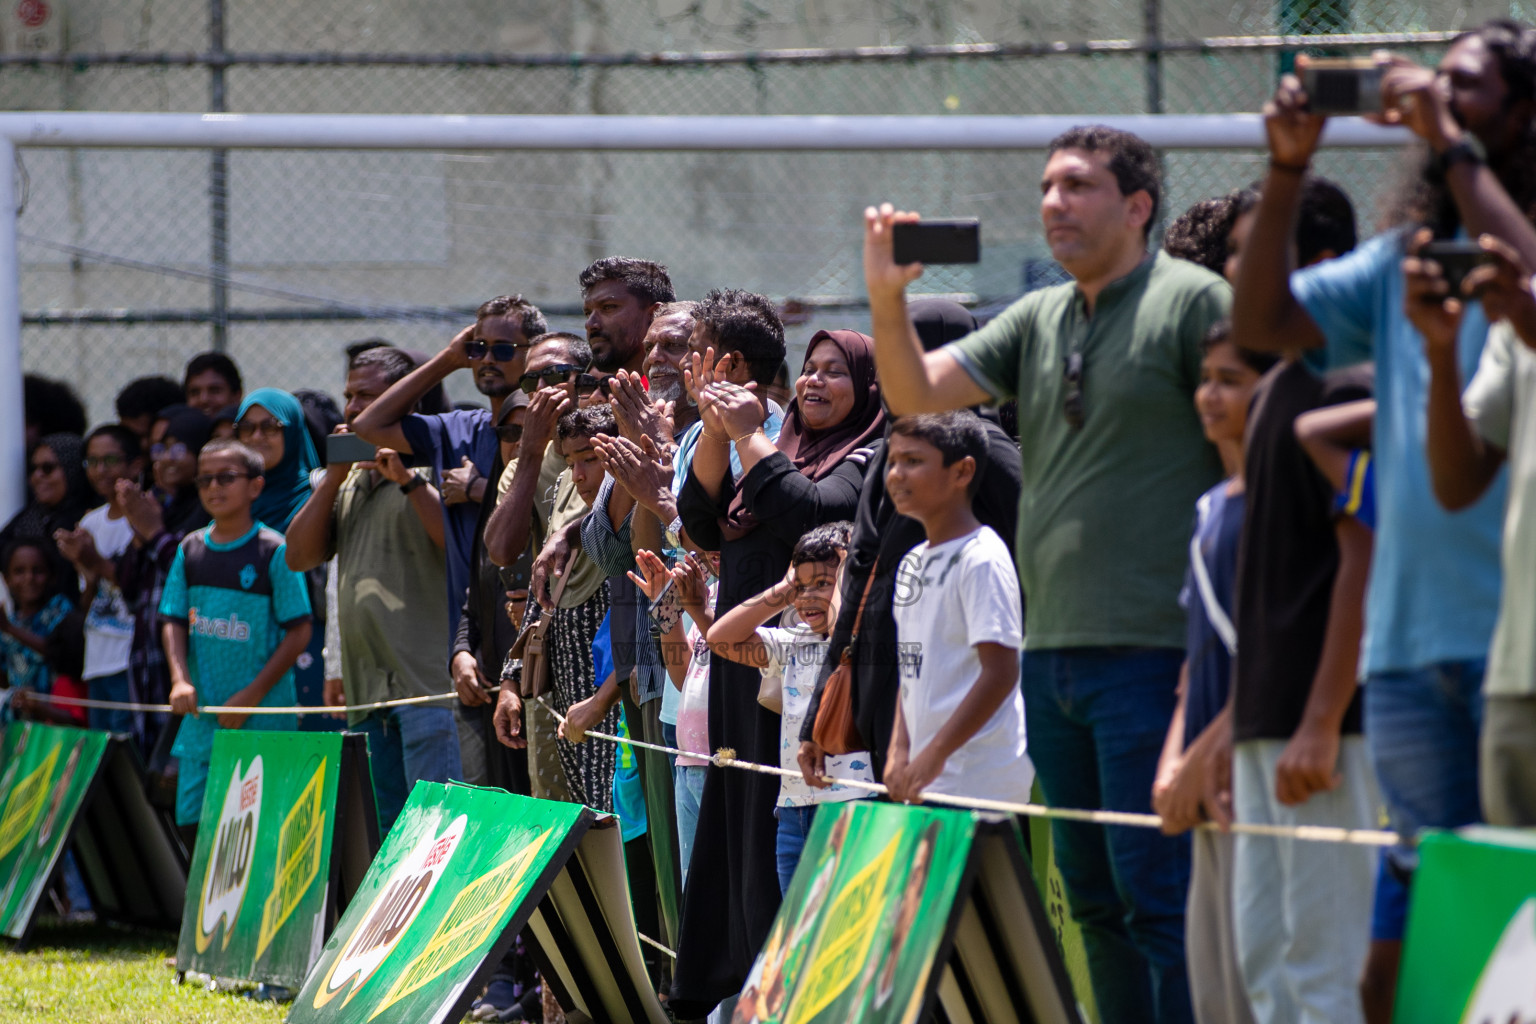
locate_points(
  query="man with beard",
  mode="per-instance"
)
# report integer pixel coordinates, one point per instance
(1435, 577)
(619, 296)
(622, 298)
(462, 446)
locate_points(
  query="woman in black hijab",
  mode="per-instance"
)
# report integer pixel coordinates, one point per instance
(60, 494)
(879, 532)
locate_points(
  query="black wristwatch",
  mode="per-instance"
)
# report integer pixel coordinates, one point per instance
(1465, 151)
(416, 481)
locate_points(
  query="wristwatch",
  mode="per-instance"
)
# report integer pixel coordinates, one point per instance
(415, 482)
(674, 532)
(1466, 150)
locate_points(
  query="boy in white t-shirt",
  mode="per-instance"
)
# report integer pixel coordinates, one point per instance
(796, 655)
(959, 625)
(112, 453)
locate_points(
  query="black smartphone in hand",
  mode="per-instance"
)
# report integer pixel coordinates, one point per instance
(1456, 259)
(1342, 85)
(937, 241)
(347, 448)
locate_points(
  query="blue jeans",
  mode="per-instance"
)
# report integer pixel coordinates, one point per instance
(406, 746)
(112, 687)
(688, 790)
(1096, 718)
(794, 826)
(1421, 726)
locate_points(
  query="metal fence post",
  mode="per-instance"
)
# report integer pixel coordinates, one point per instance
(218, 184)
(13, 453)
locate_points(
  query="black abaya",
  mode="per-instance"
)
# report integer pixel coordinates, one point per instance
(733, 885)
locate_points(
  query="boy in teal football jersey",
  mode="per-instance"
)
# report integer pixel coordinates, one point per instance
(234, 619)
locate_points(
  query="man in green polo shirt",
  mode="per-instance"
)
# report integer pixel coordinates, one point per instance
(1105, 369)
(384, 525)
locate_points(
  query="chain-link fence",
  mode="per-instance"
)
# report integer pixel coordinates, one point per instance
(134, 260)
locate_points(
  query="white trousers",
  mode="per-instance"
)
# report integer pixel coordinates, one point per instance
(1303, 909)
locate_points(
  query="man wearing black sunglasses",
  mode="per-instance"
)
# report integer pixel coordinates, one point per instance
(460, 445)
(1104, 368)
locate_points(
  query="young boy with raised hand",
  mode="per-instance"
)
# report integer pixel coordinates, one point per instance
(796, 655)
(959, 624)
(234, 619)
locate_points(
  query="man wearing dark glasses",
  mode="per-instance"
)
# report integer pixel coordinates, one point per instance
(460, 445)
(1104, 368)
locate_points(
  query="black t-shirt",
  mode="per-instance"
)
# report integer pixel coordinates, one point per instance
(1288, 555)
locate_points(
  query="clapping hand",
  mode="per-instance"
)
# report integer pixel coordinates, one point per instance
(141, 509)
(639, 419)
(692, 581)
(654, 574)
(640, 470)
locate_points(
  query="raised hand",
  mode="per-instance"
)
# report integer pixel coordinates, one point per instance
(654, 574)
(637, 416)
(544, 410)
(692, 581)
(1291, 129)
(78, 546)
(1427, 299)
(638, 468)
(1504, 285)
(735, 407)
(698, 374)
(142, 510)
(455, 348)
(883, 276)
(1413, 97)
(391, 467)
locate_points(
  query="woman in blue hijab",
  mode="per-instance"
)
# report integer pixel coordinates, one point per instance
(272, 423)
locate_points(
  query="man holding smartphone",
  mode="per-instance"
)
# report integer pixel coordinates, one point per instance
(1435, 578)
(1105, 369)
(384, 524)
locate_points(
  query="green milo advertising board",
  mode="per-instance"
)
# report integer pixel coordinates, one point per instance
(1469, 956)
(461, 872)
(258, 887)
(894, 909)
(46, 779)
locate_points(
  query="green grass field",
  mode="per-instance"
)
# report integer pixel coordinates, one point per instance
(93, 974)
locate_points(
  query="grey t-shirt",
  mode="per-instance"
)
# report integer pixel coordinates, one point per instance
(1501, 402)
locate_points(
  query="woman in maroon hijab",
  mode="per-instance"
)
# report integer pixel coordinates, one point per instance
(811, 475)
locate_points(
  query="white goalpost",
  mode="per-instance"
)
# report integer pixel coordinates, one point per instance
(65, 130)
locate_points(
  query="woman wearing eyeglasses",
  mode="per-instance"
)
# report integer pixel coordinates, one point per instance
(160, 516)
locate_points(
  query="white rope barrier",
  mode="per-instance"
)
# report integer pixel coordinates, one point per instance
(652, 942)
(726, 758)
(1309, 833)
(220, 709)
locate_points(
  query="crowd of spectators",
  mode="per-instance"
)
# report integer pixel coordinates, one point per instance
(1248, 553)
